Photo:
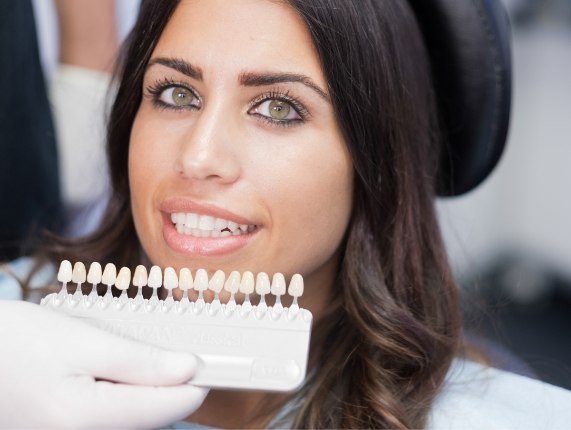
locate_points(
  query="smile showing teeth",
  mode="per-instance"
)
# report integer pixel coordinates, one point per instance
(207, 226)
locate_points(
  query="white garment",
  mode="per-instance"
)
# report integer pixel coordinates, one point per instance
(479, 397)
(474, 397)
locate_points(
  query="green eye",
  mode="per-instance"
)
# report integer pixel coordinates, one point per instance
(279, 109)
(179, 97)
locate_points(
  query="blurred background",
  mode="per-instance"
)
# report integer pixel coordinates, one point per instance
(509, 240)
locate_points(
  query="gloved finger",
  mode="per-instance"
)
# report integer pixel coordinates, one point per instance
(110, 357)
(131, 406)
(150, 407)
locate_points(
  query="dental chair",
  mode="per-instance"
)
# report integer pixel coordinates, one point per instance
(469, 44)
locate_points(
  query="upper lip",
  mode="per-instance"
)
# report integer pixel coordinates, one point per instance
(174, 205)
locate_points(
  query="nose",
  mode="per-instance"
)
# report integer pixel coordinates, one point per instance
(208, 150)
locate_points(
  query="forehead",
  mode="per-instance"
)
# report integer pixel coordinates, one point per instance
(240, 35)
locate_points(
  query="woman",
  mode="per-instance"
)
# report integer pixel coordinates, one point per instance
(204, 108)
(324, 148)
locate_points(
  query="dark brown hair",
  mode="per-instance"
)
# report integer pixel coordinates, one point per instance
(380, 355)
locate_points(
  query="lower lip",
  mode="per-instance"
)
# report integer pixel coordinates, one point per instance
(202, 246)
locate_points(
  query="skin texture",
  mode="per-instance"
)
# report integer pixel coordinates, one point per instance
(294, 182)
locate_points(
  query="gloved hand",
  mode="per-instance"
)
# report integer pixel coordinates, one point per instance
(59, 372)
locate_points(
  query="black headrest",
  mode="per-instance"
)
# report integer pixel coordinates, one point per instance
(469, 48)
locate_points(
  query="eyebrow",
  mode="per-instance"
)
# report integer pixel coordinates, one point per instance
(179, 65)
(249, 79)
(261, 79)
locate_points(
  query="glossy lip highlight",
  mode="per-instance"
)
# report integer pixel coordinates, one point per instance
(203, 246)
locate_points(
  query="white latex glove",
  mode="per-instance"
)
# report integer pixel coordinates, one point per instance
(59, 372)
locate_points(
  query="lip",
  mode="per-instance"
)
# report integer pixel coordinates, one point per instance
(202, 246)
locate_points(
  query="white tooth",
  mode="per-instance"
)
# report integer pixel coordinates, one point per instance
(140, 276)
(155, 278)
(123, 279)
(247, 283)
(191, 220)
(206, 222)
(185, 279)
(232, 226)
(109, 274)
(64, 274)
(195, 232)
(233, 282)
(262, 283)
(180, 228)
(244, 227)
(296, 286)
(225, 233)
(217, 281)
(174, 218)
(220, 224)
(78, 275)
(170, 280)
(187, 230)
(215, 233)
(278, 285)
(236, 232)
(180, 218)
(94, 275)
(201, 280)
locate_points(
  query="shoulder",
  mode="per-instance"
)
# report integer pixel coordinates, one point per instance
(476, 397)
(24, 269)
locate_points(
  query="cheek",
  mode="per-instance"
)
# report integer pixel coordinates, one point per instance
(150, 152)
(142, 152)
(143, 173)
(313, 206)
(137, 165)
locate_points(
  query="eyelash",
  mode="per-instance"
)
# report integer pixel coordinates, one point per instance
(155, 90)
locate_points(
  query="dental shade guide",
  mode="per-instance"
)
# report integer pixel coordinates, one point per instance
(241, 346)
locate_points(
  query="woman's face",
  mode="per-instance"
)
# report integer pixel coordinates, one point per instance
(236, 161)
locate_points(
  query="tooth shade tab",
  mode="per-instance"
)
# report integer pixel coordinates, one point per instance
(296, 286)
(123, 279)
(64, 274)
(155, 279)
(247, 283)
(109, 274)
(262, 283)
(78, 275)
(95, 273)
(171, 280)
(201, 280)
(217, 281)
(278, 287)
(185, 281)
(240, 346)
(140, 276)
(232, 283)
